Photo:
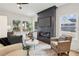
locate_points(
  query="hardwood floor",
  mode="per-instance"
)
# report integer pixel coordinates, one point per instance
(74, 53)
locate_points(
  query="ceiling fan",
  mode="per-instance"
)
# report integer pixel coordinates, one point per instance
(20, 5)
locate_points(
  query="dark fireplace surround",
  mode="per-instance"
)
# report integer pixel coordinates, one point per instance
(47, 24)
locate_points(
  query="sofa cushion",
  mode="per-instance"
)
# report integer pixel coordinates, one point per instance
(64, 41)
(4, 41)
(15, 39)
(17, 53)
(1, 45)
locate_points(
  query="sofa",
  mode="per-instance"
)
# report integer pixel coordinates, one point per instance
(13, 39)
(12, 50)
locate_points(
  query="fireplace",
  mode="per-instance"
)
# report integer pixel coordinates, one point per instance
(47, 24)
(44, 35)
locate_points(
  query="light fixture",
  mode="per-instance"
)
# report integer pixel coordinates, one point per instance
(20, 5)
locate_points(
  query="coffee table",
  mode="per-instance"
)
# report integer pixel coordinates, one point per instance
(32, 44)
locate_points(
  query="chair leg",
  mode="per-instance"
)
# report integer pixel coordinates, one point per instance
(67, 52)
(51, 47)
(58, 54)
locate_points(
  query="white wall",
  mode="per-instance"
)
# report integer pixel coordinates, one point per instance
(13, 16)
(68, 9)
(3, 26)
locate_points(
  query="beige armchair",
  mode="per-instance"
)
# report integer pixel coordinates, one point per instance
(61, 46)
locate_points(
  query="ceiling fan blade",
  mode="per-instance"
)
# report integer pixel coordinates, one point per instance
(22, 3)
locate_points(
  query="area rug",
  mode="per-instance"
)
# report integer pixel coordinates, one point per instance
(43, 49)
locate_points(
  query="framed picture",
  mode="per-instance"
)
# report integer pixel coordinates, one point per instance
(68, 23)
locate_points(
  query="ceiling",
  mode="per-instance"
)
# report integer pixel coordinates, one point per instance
(27, 9)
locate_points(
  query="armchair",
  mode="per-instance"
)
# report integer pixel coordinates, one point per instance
(61, 46)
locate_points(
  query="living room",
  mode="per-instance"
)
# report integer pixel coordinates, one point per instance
(30, 28)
